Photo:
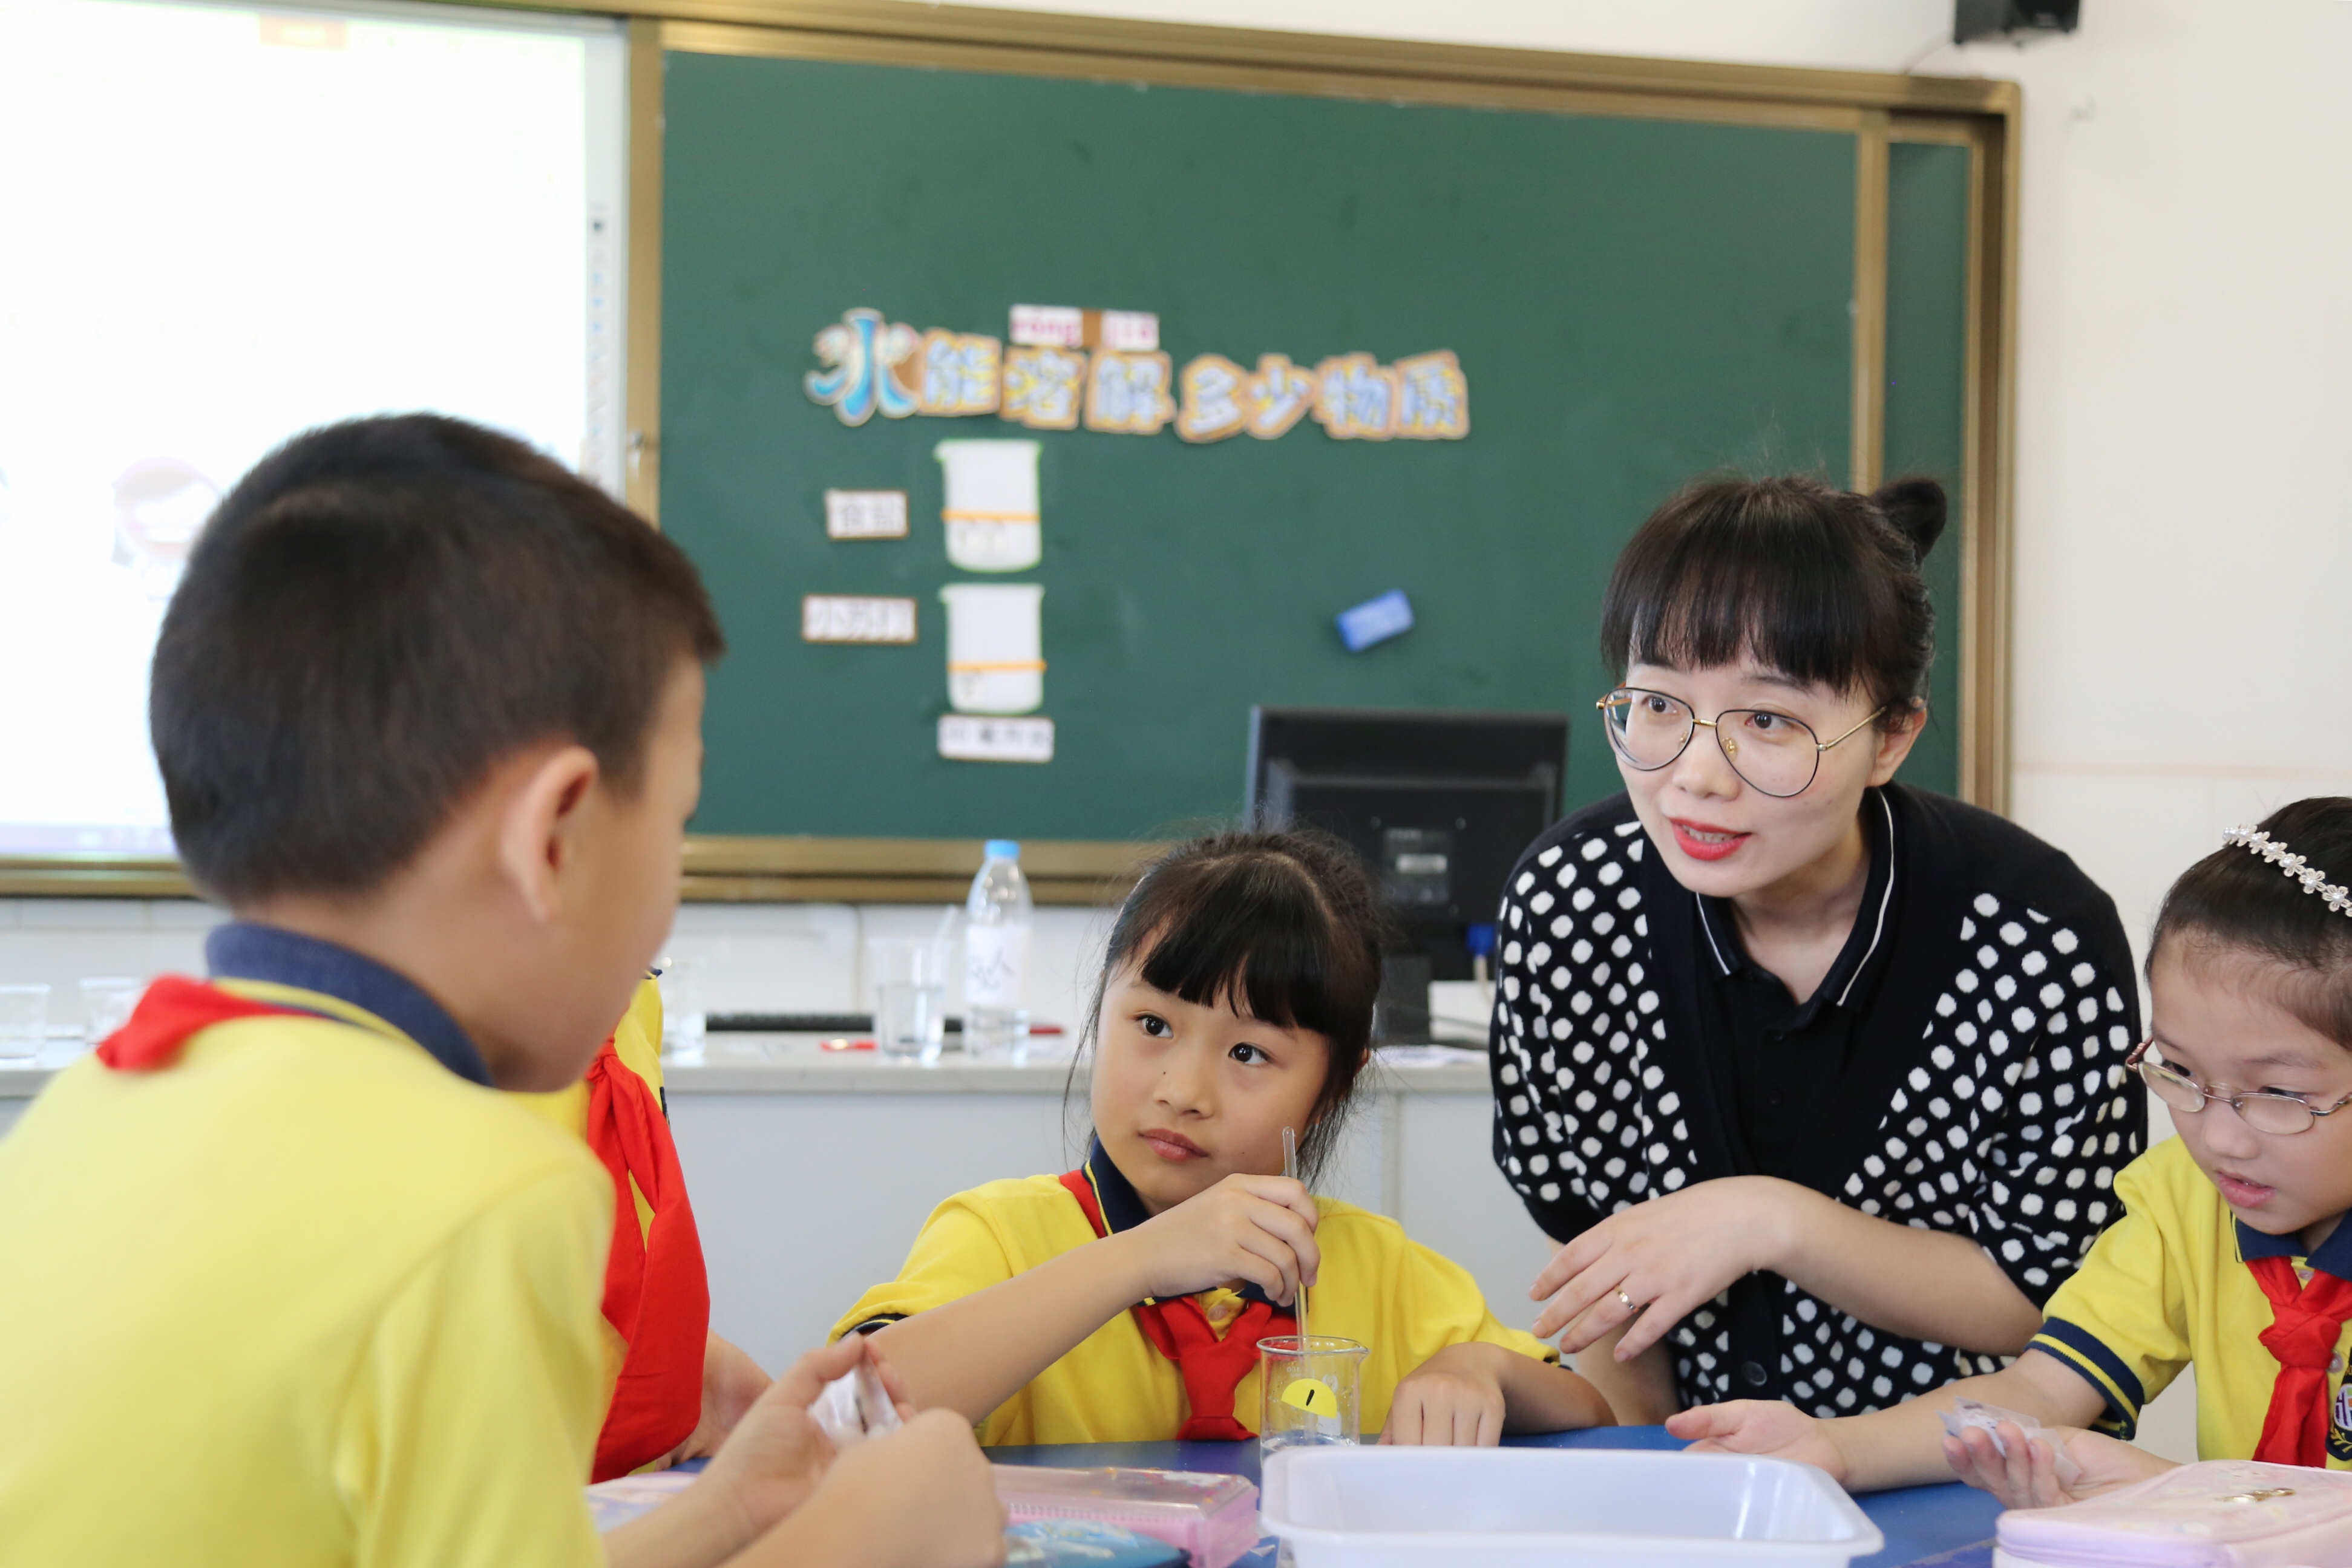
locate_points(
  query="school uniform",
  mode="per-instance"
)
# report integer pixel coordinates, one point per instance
(290, 1285)
(2180, 1280)
(1959, 1069)
(1123, 1383)
(656, 1293)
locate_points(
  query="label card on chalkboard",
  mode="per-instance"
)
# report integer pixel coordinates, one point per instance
(965, 738)
(856, 618)
(866, 514)
(1049, 326)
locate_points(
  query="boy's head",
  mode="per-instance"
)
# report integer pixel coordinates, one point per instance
(2251, 977)
(417, 672)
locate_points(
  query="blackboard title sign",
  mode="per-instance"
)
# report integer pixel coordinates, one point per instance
(871, 366)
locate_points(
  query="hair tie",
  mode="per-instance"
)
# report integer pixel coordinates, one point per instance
(2314, 879)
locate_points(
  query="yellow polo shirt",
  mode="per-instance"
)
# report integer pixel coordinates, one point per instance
(2167, 1285)
(303, 1297)
(1379, 1287)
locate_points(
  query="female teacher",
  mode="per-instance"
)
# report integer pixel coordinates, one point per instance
(1820, 1078)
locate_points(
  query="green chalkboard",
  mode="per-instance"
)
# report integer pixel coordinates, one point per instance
(1633, 302)
(1926, 367)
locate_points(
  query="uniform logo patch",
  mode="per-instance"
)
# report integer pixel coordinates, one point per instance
(2339, 1423)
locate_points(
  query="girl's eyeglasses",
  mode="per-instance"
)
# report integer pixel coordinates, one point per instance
(2268, 1110)
(1776, 755)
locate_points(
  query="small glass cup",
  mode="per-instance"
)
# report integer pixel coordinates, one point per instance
(910, 1020)
(24, 1024)
(910, 998)
(1311, 1392)
(107, 1005)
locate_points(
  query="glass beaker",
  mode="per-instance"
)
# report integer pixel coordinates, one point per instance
(1311, 1391)
(910, 997)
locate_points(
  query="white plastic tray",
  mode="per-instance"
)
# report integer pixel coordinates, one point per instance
(1561, 1508)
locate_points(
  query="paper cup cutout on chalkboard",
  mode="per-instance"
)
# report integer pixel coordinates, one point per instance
(992, 504)
(995, 651)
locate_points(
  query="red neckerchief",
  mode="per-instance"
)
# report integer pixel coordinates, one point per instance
(2307, 1321)
(657, 1296)
(173, 1010)
(1212, 1368)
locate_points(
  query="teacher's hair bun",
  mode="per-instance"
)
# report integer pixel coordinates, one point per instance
(1916, 509)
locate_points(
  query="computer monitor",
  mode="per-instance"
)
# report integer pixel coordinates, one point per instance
(1439, 805)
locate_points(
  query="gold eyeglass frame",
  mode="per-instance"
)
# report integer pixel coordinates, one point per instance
(1723, 743)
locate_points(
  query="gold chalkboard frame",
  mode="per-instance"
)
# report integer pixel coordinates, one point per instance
(1878, 109)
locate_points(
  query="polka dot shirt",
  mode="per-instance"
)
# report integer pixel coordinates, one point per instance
(1987, 1096)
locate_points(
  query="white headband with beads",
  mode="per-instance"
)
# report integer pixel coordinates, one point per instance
(2314, 879)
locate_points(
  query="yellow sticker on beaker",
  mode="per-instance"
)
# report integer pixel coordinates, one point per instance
(1314, 1398)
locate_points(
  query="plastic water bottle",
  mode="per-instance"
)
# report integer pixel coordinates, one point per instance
(996, 930)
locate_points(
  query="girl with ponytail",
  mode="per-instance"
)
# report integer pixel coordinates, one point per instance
(1817, 1079)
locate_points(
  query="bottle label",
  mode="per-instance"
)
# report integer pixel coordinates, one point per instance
(996, 967)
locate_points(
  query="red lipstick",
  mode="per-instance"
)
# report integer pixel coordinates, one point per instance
(1704, 841)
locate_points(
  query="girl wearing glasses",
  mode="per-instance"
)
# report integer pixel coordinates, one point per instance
(1818, 1078)
(2231, 1252)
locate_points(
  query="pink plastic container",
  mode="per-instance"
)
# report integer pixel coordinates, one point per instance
(1213, 1518)
(2223, 1513)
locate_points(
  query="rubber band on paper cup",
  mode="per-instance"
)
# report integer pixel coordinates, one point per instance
(991, 509)
(996, 661)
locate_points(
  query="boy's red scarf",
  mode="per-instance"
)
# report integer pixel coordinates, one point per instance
(655, 1294)
(1212, 1368)
(2307, 1321)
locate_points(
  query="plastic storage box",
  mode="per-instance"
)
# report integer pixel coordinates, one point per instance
(1213, 1518)
(2223, 1513)
(1561, 1508)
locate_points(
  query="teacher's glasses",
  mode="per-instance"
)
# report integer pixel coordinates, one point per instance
(1776, 755)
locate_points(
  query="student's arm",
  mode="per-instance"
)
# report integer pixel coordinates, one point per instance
(973, 1354)
(1674, 1254)
(1469, 1395)
(1640, 1391)
(1897, 1447)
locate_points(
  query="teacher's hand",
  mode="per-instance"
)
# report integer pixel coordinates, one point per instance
(1667, 1256)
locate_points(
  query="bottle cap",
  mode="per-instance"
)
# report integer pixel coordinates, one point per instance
(1003, 850)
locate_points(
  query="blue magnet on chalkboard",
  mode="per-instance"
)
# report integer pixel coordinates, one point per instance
(1376, 620)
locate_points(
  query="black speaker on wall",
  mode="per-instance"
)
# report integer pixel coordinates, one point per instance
(1990, 18)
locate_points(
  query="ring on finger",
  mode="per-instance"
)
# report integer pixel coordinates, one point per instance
(1628, 1302)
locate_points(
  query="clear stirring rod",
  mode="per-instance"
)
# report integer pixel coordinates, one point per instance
(1290, 1169)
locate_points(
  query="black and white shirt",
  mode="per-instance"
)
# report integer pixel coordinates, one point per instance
(1982, 1090)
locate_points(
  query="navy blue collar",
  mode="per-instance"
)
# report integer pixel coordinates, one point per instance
(244, 951)
(1122, 1206)
(2333, 1255)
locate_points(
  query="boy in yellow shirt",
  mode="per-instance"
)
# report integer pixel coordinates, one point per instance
(288, 1283)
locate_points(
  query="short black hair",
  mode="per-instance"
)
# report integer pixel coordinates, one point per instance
(1821, 584)
(375, 615)
(1283, 927)
(2234, 901)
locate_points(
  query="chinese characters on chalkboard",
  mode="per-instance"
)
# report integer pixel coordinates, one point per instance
(1124, 385)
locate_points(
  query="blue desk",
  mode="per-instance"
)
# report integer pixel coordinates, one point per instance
(1948, 1526)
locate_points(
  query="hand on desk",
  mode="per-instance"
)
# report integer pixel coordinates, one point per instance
(732, 1382)
(2026, 1476)
(1764, 1426)
(777, 1493)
